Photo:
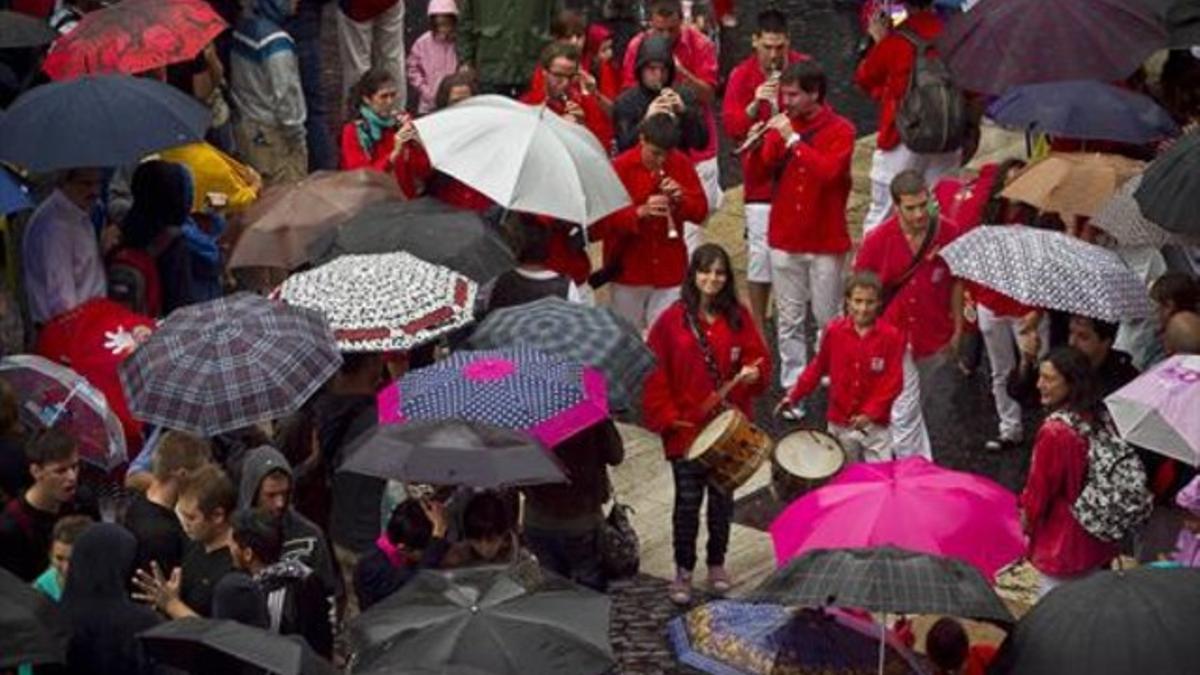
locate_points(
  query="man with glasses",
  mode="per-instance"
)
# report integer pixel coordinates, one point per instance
(569, 96)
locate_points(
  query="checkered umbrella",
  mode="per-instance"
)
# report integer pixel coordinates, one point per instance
(549, 397)
(1122, 218)
(228, 363)
(1051, 270)
(591, 335)
(383, 302)
(884, 579)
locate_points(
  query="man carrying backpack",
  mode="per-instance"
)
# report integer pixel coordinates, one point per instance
(922, 116)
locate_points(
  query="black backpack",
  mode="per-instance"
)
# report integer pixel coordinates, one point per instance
(933, 115)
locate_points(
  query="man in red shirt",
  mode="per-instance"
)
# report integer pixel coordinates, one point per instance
(883, 74)
(922, 299)
(751, 98)
(643, 243)
(809, 147)
(695, 66)
(863, 359)
(566, 94)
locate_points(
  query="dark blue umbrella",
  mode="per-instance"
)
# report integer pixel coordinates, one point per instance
(98, 121)
(14, 196)
(1083, 109)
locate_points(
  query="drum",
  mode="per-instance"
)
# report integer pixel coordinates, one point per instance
(804, 461)
(732, 448)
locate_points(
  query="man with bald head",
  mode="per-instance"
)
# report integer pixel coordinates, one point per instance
(1182, 334)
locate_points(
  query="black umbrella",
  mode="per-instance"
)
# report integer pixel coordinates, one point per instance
(884, 579)
(19, 30)
(31, 628)
(501, 620)
(1183, 24)
(206, 646)
(1170, 190)
(427, 228)
(98, 121)
(453, 452)
(1110, 623)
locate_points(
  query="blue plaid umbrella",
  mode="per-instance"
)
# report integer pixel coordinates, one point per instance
(549, 397)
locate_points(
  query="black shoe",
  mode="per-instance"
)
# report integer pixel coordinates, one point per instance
(999, 444)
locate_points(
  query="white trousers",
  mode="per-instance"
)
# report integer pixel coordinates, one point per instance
(378, 43)
(910, 437)
(873, 444)
(642, 305)
(758, 254)
(797, 280)
(710, 179)
(885, 164)
(999, 337)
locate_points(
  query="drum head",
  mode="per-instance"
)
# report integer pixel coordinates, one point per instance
(810, 454)
(712, 433)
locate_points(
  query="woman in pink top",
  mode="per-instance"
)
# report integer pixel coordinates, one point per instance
(433, 56)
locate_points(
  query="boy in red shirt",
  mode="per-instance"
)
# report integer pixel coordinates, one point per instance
(863, 358)
(569, 96)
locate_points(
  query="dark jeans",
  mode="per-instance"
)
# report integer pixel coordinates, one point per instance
(576, 556)
(305, 29)
(691, 482)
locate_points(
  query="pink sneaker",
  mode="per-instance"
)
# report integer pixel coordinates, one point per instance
(681, 588)
(719, 579)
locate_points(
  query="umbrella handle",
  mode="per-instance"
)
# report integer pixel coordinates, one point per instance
(882, 642)
(61, 407)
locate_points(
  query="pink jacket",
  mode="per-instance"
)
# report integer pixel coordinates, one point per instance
(428, 62)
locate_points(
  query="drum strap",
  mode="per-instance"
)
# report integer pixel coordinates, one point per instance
(710, 359)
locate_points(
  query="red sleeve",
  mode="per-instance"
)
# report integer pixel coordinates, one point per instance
(658, 402)
(693, 205)
(811, 377)
(706, 60)
(754, 348)
(832, 159)
(738, 95)
(413, 171)
(770, 153)
(597, 121)
(537, 86)
(355, 157)
(623, 222)
(872, 73)
(878, 405)
(1047, 472)
(628, 76)
(608, 80)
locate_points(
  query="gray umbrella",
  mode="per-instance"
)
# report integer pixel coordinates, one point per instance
(502, 620)
(1122, 218)
(453, 452)
(32, 630)
(197, 645)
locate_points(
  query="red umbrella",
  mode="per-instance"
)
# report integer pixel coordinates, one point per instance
(93, 339)
(134, 36)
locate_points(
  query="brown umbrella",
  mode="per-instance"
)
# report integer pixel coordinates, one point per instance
(1075, 184)
(281, 225)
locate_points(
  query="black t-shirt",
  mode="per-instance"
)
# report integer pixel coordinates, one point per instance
(201, 572)
(159, 536)
(25, 534)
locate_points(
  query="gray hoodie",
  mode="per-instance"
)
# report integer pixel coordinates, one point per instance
(303, 541)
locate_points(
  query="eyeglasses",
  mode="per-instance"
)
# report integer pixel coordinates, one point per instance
(561, 75)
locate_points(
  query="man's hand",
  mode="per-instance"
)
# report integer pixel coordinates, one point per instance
(1029, 342)
(657, 206)
(783, 124)
(575, 113)
(671, 188)
(435, 511)
(587, 83)
(880, 26)
(783, 403)
(659, 106)
(860, 422)
(162, 592)
(767, 92)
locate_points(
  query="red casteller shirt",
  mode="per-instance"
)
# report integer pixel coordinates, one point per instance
(808, 212)
(865, 371)
(679, 386)
(883, 73)
(694, 51)
(921, 308)
(594, 117)
(641, 246)
(608, 79)
(411, 169)
(743, 80)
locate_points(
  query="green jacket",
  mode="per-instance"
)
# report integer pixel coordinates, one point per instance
(502, 39)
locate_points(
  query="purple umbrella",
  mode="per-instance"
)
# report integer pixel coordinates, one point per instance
(1004, 43)
(1158, 410)
(1084, 109)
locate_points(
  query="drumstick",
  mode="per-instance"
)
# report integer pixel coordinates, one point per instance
(728, 386)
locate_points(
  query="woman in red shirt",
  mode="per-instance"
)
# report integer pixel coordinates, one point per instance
(1059, 548)
(703, 341)
(380, 136)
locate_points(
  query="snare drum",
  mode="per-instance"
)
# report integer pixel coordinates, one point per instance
(732, 448)
(804, 461)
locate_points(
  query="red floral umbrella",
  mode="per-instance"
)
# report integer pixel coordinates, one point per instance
(134, 36)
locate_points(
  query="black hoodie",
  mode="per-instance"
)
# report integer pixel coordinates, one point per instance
(631, 106)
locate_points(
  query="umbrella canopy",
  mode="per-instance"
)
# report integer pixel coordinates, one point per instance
(1051, 270)
(595, 336)
(1084, 109)
(288, 218)
(229, 363)
(911, 504)
(549, 397)
(1183, 24)
(884, 579)
(1158, 410)
(427, 228)
(726, 637)
(384, 302)
(198, 645)
(93, 339)
(98, 121)
(524, 158)
(488, 618)
(1109, 623)
(18, 30)
(54, 396)
(1170, 191)
(31, 628)
(216, 172)
(1122, 218)
(14, 195)
(1049, 40)
(453, 452)
(1076, 184)
(133, 36)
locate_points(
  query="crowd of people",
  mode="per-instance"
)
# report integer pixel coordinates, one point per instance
(258, 526)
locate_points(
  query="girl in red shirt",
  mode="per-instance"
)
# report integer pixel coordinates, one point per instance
(378, 135)
(704, 341)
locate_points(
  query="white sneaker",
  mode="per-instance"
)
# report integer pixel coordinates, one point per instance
(795, 413)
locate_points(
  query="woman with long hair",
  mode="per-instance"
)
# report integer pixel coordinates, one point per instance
(380, 135)
(1059, 548)
(710, 356)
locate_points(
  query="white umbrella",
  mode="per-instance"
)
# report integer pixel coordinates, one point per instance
(524, 158)
(1051, 270)
(1160, 410)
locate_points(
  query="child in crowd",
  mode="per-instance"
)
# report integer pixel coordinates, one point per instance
(62, 539)
(947, 646)
(433, 55)
(415, 539)
(489, 534)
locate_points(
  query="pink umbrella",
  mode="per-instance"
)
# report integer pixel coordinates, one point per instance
(911, 504)
(1158, 411)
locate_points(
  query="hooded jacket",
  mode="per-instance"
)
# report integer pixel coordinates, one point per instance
(502, 38)
(265, 72)
(430, 59)
(303, 541)
(104, 620)
(630, 107)
(297, 604)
